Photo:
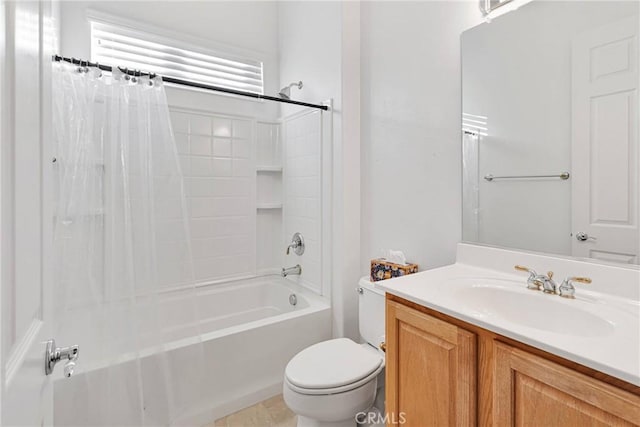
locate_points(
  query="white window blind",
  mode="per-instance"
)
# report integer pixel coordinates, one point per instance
(120, 46)
(474, 124)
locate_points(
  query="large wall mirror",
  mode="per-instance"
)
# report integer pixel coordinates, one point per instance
(550, 130)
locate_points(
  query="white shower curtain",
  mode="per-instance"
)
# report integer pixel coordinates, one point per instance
(122, 250)
(470, 187)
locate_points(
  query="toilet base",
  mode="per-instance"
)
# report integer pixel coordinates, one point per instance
(332, 410)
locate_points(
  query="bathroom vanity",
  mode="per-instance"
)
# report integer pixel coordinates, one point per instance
(469, 344)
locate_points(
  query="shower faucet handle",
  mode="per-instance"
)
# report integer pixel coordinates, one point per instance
(297, 244)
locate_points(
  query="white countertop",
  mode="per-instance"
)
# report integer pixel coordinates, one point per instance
(609, 341)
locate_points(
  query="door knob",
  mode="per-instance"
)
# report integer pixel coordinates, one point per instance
(583, 237)
(53, 355)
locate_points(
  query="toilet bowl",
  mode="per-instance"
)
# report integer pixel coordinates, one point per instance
(328, 384)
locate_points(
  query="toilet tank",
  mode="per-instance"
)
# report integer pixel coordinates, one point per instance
(371, 312)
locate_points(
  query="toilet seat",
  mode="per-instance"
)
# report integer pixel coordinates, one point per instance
(333, 366)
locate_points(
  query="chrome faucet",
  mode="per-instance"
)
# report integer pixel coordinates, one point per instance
(297, 244)
(533, 281)
(548, 285)
(296, 270)
(537, 281)
(566, 287)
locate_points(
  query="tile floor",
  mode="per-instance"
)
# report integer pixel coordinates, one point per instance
(272, 412)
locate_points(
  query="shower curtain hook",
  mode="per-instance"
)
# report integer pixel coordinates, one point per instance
(150, 77)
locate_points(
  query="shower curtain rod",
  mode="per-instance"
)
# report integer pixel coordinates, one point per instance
(58, 58)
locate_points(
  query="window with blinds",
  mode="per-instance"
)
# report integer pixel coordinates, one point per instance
(474, 124)
(120, 46)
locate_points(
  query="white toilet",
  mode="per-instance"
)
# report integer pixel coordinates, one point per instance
(329, 383)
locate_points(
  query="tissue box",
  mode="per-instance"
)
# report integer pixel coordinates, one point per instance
(382, 269)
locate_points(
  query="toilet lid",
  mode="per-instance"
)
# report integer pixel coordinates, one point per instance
(332, 364)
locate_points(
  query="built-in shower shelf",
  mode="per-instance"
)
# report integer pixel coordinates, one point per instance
(269, 206)
(269, 168)
(269, 196)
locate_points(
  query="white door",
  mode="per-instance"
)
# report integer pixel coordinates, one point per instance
(25, 212)
(605, 155)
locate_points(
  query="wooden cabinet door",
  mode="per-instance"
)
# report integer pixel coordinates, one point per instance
(430, 371)
(532, 391)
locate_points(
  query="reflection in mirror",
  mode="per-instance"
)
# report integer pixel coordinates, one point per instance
(550, 130)
(489, 6)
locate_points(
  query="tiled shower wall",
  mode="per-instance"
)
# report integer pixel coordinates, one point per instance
(303, 190)
(247, 195)
(218, 163)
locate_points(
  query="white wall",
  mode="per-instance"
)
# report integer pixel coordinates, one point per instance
(517, 73)
(309, 47)
(411, 142)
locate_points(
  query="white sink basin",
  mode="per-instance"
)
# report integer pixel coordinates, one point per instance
(532, 309)
(599, 329)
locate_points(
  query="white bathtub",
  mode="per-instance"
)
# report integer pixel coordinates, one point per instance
(246, 334)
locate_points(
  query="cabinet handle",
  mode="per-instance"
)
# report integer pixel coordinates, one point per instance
(383, 346)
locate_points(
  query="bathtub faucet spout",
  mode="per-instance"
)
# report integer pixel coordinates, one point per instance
(292, 270)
